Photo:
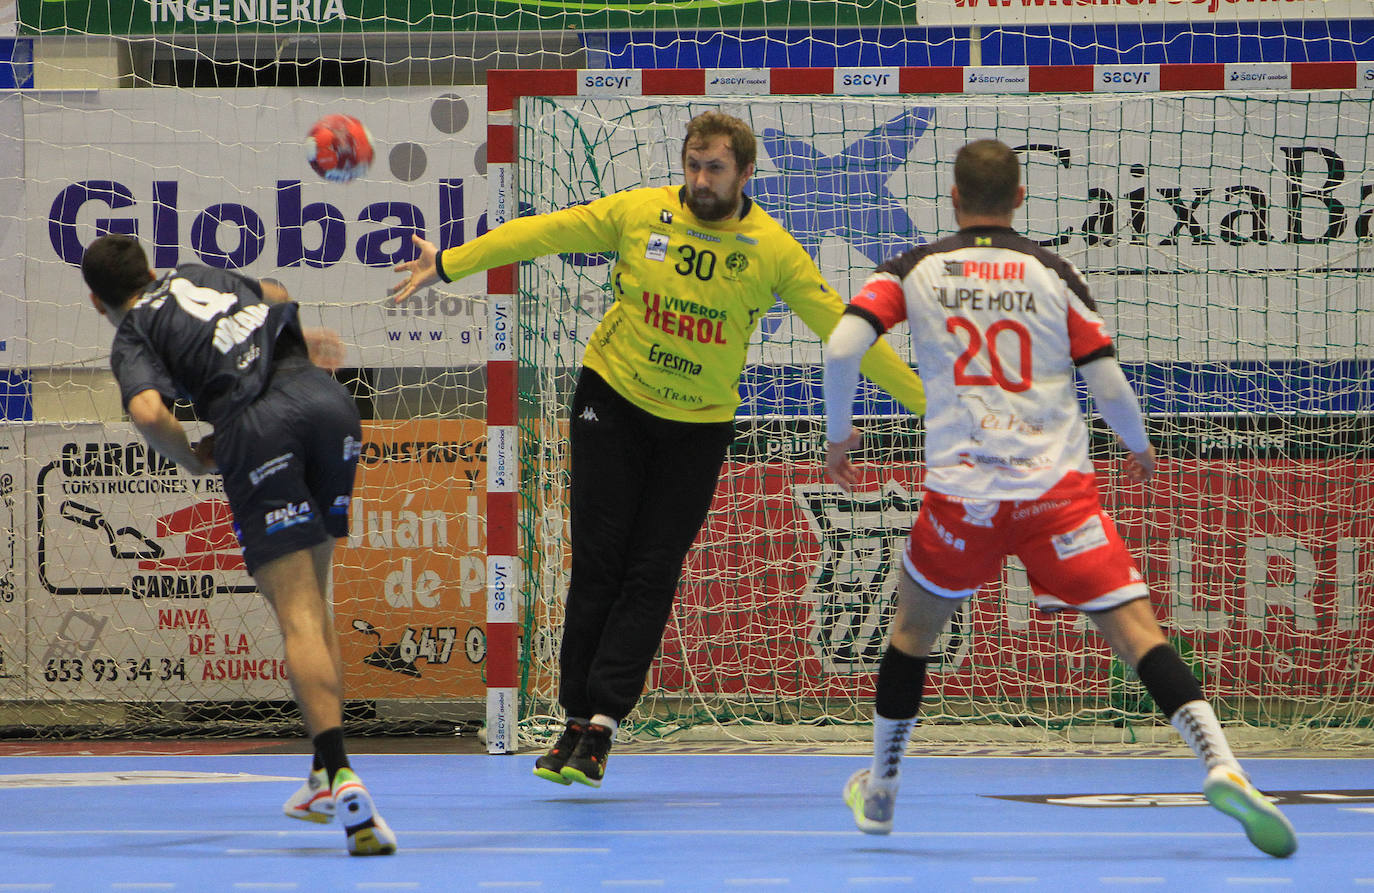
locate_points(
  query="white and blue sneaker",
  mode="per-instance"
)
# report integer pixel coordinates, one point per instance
(872, 810)
(313, 800)
(1230, 791)
(368, 834)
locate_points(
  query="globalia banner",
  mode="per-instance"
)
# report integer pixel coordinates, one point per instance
(202, 179)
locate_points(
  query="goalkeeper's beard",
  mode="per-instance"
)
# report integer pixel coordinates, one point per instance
(711, 207)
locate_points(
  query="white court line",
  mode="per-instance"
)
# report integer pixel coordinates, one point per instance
(1131, 880)
(672, 832)
(1266, 881)
(507, 850)
(895, 879)
(758, 881)
(1007, 879)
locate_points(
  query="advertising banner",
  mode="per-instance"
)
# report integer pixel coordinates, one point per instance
(130, 584)
(137, 589)
(410, 589)
(222, 179)
(1216, 230)
(986, 13)
(1263, 565)
(13, 570)
(13, 322)
(221, 17)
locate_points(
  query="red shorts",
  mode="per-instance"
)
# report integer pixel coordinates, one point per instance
(1072, 553)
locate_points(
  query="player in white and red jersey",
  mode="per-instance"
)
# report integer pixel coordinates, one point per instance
(999, 326)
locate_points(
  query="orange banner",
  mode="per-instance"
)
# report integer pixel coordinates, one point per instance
(410, 586)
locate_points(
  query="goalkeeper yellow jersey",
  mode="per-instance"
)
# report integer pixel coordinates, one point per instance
(688, 295)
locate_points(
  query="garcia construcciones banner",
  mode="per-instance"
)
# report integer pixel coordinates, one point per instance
(131, 585)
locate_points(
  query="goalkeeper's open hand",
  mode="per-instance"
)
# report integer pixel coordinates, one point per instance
(423, 270)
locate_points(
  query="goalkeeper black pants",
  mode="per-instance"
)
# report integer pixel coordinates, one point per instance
(641, 487)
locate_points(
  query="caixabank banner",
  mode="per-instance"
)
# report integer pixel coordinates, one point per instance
(130, 584)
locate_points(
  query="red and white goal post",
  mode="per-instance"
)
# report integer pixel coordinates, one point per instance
(1222, 215)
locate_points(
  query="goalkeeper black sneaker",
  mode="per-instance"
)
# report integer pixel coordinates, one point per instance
(550, 765)
(587, 765)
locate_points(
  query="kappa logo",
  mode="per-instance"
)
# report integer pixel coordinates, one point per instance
(589, 415)
(665, 216)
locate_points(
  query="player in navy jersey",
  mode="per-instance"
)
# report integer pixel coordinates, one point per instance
(286, 440)
(999, 326)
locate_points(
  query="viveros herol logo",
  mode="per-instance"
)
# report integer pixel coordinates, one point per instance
(290, 515)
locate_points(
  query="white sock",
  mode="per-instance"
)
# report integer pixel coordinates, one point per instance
(1202, 733)
(889, 745)
(605, 721)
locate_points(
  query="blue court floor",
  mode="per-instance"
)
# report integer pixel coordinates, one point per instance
(674, 822)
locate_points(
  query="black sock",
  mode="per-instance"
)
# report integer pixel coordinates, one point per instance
(901, 683)
(329, 751)
(1168, 680)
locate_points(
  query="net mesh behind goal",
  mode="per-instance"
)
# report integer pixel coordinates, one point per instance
(1226, 239)
(125, 606)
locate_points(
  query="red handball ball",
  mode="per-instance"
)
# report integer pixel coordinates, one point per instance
(339, 148)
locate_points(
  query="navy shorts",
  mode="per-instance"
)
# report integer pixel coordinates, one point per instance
(288, 461)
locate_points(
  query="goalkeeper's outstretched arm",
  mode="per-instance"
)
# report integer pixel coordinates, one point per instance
(592, 227)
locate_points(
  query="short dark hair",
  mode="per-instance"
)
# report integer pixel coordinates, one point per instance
(116, 268)
(987, 173)
(710, 124)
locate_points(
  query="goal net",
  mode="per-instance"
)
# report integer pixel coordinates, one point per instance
(125, 607)
(1227, 240)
